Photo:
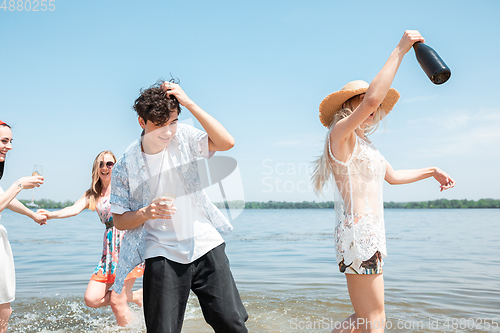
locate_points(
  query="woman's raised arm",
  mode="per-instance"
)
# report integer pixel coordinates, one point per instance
(378, 88)
(14, 189)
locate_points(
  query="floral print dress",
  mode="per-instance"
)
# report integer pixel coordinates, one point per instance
(106, 268)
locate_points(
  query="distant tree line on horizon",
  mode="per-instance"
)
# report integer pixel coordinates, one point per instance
(432, 204)
(47, 204)
(240, 204)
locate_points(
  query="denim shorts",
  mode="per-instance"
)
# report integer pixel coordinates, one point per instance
(370, 266)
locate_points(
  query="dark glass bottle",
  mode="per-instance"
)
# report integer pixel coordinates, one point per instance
(431, 63)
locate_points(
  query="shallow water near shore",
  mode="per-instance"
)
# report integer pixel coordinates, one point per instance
(442, 273)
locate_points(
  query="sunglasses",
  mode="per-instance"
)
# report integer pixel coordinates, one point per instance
(109, 164)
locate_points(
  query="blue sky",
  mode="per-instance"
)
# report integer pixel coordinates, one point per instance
(68, 79)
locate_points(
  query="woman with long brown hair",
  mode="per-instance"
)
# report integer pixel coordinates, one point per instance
(96, 198)
(8, 200)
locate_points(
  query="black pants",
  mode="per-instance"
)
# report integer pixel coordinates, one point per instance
(166, 292)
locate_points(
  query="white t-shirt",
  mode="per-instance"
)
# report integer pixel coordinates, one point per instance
(189, 234)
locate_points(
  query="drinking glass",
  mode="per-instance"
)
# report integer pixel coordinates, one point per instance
(171, 197)
(37, 171)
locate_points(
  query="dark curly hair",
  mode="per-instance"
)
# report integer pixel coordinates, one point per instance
(154, 105)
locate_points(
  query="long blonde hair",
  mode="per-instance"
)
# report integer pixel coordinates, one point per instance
(94, 192)
(322, 167)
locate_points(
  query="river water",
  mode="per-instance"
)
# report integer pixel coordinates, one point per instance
(442, 273)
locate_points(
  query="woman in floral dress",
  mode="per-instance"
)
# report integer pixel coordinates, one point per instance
(96, 198)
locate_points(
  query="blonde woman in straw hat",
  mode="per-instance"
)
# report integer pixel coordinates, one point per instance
(359, 170)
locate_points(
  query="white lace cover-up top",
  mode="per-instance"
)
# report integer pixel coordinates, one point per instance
(359, 206)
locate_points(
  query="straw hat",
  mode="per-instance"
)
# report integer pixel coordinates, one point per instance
(333, 102)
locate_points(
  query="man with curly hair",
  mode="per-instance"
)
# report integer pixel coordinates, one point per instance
(156, 194)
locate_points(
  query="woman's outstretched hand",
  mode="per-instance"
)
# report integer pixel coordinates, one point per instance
(39, 218)
(45, 213)
(409, 38)
(444, 179)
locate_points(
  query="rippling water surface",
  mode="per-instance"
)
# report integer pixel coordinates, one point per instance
(442, 273)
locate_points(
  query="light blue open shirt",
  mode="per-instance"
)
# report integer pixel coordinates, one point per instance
(130, 191)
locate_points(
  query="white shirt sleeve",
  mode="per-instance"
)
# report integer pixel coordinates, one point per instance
(203, 147)
(117, 209)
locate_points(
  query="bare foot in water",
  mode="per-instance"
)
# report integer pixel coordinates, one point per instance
(137, 297)
(118, 303)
